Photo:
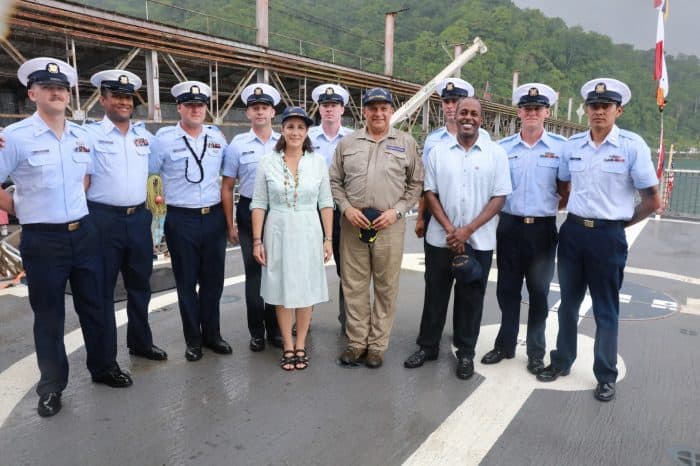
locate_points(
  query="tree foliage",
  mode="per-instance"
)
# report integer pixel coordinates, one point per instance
(539, 48)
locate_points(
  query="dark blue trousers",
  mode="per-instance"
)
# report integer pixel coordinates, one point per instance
(197, 245)
(592, 258)
(127, 247)
(50, 260)
(525, 251)
(261, 316)
(468, 302)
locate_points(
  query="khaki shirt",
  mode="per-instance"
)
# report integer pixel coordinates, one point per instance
(387, 174)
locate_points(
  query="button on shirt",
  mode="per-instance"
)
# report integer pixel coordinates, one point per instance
(119, 169)
(533, 174)
(604, 179)
(242, 158)
(325, 145)
(171, 157)
(385, 174)
(465, 181)
(48, 172)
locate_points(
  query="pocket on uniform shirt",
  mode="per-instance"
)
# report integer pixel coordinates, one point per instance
(144, 151)
(177, 154)
(354, 162)
(44, 171)
(614, 167)
(576, 165)
(548, 162)
(249, 158)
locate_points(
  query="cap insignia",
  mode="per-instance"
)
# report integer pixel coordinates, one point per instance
(258, 91)
(533, 92)
(450, 86)
(52, 68)
(600, 88)
(123, 79)
(194, 90)
(330, 91)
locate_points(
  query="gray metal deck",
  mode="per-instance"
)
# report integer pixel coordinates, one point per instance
(242, 409)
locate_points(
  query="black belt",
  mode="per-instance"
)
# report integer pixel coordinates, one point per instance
(530, 220)
(195, 210)
(244, 199)
(595, 222)
(52, 227)
(117, 209)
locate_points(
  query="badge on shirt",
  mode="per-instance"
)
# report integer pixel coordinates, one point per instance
(179, 149)
(513, 157)
(614, 158)
(213, 145)
(80, 146)
(141, 142)
(575, 158)
(549, 155)
(105, 141)
(248, 152)
(396, 148)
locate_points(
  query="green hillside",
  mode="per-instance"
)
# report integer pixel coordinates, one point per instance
(540, 48)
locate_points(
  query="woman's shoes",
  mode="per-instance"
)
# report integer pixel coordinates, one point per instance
(302, 360)
(288, 361)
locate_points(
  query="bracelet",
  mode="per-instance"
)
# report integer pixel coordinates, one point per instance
(257, 239)
(327, 238)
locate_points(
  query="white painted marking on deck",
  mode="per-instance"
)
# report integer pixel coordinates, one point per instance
(18, 379)
(692, 306)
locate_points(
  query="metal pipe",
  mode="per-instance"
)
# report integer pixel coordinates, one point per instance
(262, 31)
(426, 91)
(389, 24)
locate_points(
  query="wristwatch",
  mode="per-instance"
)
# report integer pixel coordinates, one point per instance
(399, 214)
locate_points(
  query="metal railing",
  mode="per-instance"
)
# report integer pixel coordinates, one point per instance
(680, 193)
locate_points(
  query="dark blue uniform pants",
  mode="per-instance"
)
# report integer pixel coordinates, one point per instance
(197, 245)
(261, 316)
(524, 251)
(50, 260)
(592, 258)
(127, 247)
(468, 302)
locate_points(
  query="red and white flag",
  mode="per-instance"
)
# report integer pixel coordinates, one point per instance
(660, 73)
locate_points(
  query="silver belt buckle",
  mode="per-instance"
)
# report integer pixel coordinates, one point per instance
(529, 220)
(588, 223)
(130, 210)
(204, 210)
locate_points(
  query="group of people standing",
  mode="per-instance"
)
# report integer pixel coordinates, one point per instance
(311, 193)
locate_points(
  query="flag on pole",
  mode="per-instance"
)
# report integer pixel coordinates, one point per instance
(660, 73)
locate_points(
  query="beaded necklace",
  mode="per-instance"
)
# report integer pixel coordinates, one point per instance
(290, 180)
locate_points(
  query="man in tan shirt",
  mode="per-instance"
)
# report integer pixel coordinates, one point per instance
(374, 168)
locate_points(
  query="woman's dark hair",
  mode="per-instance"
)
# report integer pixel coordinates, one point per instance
(305, 147)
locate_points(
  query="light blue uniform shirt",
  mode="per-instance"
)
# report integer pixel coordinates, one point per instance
(442, 135)
(48, 172)
(171, 158)
(119, 170)
(604, 179)
(533, 174)
(242, 158)
(325, 145)
(466, 181)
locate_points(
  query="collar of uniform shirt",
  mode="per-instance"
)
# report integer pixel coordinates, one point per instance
(480, 142)
(544, 139)
(613, 137)
(251, 136)
(39, 126)
(363, 134)
(108, 125)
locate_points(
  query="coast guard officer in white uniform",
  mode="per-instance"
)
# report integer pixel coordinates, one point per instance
(189, 157)
(116, 199)
(48, 157)
(606, 166)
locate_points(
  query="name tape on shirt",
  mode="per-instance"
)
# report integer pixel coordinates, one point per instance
(549, 155)
(614, 158)
(396, 148)
(213, 145)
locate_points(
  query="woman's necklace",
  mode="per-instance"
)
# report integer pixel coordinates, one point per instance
(291, 181)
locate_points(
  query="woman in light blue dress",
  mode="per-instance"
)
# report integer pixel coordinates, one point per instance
(291, 185)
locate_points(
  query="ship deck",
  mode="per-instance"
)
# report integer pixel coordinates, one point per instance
(243, 409)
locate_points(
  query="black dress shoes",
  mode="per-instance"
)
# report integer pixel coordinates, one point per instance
(114, 378)
(193, 353)
(535, 365)
(465, 368)
(49, 404)
(153, 353)
(604, 391)
(219, 346)
(551, 373)
(257, 344)
(276, 341)
(495, 356)
(418, 358)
